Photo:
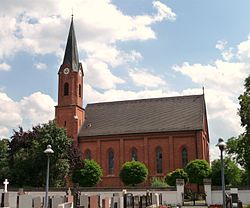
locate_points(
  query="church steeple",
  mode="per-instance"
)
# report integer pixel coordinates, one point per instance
(71, 58)
(69, 111)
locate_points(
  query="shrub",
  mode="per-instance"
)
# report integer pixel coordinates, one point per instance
(177, 174)
(88, 174)
(133, 172)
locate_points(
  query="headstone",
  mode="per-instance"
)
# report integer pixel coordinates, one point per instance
(128, 200)
(105, 202)
(37, 203)
(56, 200)
(235, 197)
(136, 201)
(12, 199)
(155, 199)
(5, 200)
(143, 201)
(93, 201)
(84, 201)
(24, 201)
(180, 190)
(5, 183)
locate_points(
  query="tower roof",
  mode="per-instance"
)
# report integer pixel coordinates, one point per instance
(71, 53)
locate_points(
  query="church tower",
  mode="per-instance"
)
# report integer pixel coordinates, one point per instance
(69, 112)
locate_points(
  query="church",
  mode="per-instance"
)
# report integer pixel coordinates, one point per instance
(163, 133)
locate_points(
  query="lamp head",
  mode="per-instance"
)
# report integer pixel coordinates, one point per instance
(221, 144)
(48, 151)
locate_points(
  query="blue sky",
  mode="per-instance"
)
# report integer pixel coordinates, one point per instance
(129, 50)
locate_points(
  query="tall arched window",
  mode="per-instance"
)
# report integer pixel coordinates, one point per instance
(111, 162)
(80, 90)
(158, 160)
(87, 154)
(134, 154)
(184, 157)
(66, 89)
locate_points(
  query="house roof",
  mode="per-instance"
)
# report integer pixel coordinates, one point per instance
(144, 116)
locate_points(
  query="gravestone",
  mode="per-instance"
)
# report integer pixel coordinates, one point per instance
(143, 201)
(37, 202)
(12, 199)
(24, 201)
(5, 200)
(84, 201)
(105, 202)
(136, 201)
(235, 197)
(155, 199)
(56, 200)
(93, 201)
(128, 200)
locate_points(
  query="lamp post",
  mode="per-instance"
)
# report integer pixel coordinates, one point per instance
(222, 145)
(48, 152)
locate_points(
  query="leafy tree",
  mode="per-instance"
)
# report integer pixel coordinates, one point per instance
(232, 172)
(4, 168)
(239, 148)
(28, 163)
(133, 172)
(197, 170)
(177, 174)
(88, 174)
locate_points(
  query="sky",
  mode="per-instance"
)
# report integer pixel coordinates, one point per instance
(129, 50)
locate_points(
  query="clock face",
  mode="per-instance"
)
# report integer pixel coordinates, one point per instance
(66, 71)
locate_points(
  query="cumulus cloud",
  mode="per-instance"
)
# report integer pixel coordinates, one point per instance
(5, 67)
(29, 111)
(145, 78)
(221, 44)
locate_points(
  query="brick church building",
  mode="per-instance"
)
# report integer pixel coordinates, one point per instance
(163, 133)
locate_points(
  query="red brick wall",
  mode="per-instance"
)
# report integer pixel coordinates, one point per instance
(146, 144)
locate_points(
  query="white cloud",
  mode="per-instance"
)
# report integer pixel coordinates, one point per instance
(227, 54)
(29, 111)
(221, 44)
(244, 49)
(99, 75)
(5, 67)
(41, 66)
(145, 78)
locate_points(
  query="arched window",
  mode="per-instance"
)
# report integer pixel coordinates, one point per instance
(80, 90)
(158, 160)
(184, 157)
(65, 123)
(87, 154)
(111, 162)
(134, 154)
(66, 89)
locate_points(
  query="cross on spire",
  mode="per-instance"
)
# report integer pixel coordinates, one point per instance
(5, 183)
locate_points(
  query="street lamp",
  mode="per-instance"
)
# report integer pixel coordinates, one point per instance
(222, 145)
(48, 152)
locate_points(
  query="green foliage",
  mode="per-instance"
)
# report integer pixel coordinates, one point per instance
(133, 172)
(4, 168)
(239, 148)
(231, 171)
(27, 160)
(197, 170)
(158, 182)
(88, 174)
(177, 174)
(244, 110)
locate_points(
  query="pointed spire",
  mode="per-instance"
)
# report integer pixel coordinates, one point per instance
(71, 53)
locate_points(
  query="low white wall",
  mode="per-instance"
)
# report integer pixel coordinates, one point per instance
(244, 196)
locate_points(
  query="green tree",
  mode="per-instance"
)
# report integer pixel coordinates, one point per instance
(88, 174)
(177, 174)
(28, 163)
(239, 148)
(4, 168)
(232, 172)
(133, 172)
(197, 170)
